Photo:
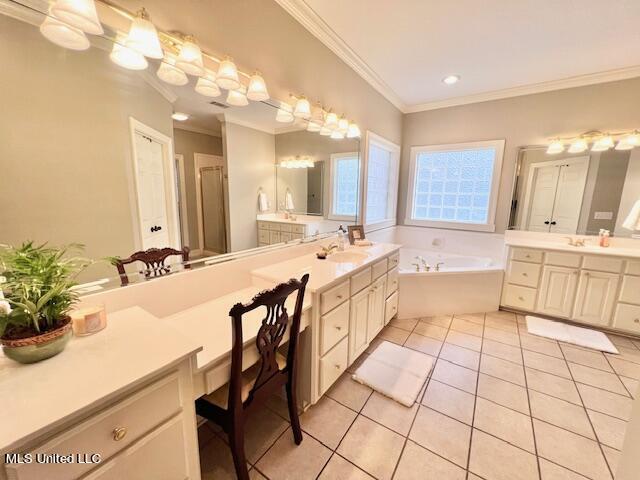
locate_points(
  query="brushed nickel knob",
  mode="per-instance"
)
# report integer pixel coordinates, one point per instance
(119, 433)
(636, 320)
(337, 366)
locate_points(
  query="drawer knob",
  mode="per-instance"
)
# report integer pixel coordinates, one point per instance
(527, 256)
(393, 308)
(521, 298)
(636, 320)
(525, 274)
(337, 366)
(339, 297)
(338, 327)
(119, 433)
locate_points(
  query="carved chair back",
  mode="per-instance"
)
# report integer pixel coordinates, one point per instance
(154, 260)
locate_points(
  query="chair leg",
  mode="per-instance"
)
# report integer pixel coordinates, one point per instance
(236, 443)
(293, 412)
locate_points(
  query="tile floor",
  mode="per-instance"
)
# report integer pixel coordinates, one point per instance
(499, 404)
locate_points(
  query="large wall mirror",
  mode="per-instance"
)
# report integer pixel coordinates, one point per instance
(579, 193)
(118, 161)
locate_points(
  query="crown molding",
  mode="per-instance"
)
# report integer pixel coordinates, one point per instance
(190, 128)
(310, 20)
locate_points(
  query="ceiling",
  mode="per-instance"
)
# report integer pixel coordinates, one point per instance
(499, 48)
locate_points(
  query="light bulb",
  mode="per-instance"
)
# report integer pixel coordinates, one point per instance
(632, 139)
(622, 145)
(207, 85)
(169, 73)
(331, 121)
(64, 35)
(228, 75)
(78, 13)
(578, 145)
(343, 125)
(353, 131)
(451, 79)
(555, 147)
(285, 114)
(257, 90)
(303, 108)
(602, 144)
(127, 58)
(180, 117)
(143, 36)
(190, 58)
(237, 98)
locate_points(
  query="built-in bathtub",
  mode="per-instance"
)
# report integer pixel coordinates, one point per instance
(469, 275)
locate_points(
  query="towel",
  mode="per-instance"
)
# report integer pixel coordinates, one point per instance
(288, 201)
(632, 222)
(263, 202)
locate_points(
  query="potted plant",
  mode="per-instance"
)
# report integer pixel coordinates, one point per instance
(38, 294)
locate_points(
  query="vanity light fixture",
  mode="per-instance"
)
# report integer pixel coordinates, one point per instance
(325, 131)
(337, 135)
(207, 85)
(63, 34)
(80, 14)
(169, 73)
(285, 114)
(451, 79)
(313, 127)
(190, 58)
(297, 162)
(228, 75)
(555, 147)
(257, 90)
(353, 131)
(578, 145)
(603, 143)
(237, 98)
(302, 108)
(126, 57)
(143, 36)
(629, 141)
(331, 121)
(624, 140)
(343, 125)
(180, 117)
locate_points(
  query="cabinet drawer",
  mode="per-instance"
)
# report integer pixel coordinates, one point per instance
(333, 364)
(297, 228)
(393, 261)
(627, 317)
(630, 291)
(334, 327)
(360, 280)
(379, 269)
(285, 236)
(263, 225)
(522, 273)
(516, 296)
(296, 236)
(562, 259)
(633, 267)
(273, 226)
(136, 414)
(334, 297)
(526, 255)
(285, 227)
(392, 281)
(602, 264)
(390, 307)
(263, 236)
(274, 237)
(160, 455)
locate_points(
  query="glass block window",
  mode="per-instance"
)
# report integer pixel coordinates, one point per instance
(454, 185)
(345, 185)
(379, 173)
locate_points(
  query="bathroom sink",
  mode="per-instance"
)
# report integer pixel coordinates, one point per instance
(347, 257)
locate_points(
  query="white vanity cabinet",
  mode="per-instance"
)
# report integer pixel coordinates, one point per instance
(596, 289)
(270, 233)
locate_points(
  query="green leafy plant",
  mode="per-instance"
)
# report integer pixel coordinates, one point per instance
(37, 286)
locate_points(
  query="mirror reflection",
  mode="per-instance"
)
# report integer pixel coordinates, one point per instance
(121, 162)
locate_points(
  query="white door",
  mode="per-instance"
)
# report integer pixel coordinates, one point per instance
(202, 162)
(557, 291)
(596, 297)
(358, 319)
(376, 308)
(544, 188)
(152, 204)
(568, 199)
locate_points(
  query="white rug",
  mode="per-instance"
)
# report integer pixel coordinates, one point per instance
(584, 337)
(395, 371)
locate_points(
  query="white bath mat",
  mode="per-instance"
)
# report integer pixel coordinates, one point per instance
(584, 337)
(395, 371)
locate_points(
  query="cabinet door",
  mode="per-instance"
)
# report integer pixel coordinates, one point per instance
(557, 291)
(595, 297)
(376, 308)
(358, 324)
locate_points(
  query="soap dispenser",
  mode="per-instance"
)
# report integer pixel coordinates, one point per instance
(341, 234)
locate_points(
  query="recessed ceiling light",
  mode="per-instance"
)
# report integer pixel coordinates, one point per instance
(451, 79)
(180, 117)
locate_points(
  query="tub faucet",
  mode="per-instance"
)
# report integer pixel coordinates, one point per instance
(417, 265)
(438, 266)
(423, 262)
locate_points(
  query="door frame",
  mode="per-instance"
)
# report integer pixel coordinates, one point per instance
(533, 169)
(200, 160)
(168, 161)
(182, 193)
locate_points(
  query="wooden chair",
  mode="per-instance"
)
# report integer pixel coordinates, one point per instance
(230, 405)
(154, 260)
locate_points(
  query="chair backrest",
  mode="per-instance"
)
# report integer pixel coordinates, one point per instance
(154, 260)
(272, 330)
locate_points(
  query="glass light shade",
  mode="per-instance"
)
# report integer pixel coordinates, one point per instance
(622, 145)
(353, 131)
(237, 98)
(228, 75)
(313, 127)
(284, 115)
(343, 125)
(632, 139)
(143, 37)
(337, 135)
(169, 73)
(324, 131)
(190, 58)
(577, 146)
(78, 13)
(257, 90)
(331, 121)
(555, 147)
(303, 108)
(127, 58)
(180, 117)
(602, 144)
(64, 35)
(207, 85)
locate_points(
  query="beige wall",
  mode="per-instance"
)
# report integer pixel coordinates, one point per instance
(65, 146)
(630, 191)
(187, 143)
(526, 120)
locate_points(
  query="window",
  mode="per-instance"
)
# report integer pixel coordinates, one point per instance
(344, 185)
(381, 188)
(455, 186)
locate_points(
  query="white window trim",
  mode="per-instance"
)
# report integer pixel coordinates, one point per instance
(373, 138)
(493, 196)
(335, 157)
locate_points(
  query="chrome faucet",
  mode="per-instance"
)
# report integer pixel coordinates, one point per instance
(576, 242)
(417, 265)
(328, 250)
(423, 262)
(438, 266)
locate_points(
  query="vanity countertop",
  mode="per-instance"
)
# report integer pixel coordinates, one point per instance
(134, 347)
(323, 272)
(564, 247)
(300, 219)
